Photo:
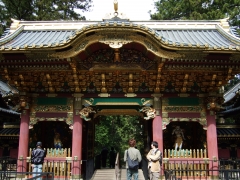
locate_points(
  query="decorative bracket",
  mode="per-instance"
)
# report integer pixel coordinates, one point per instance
(214, 103)
(115, 40)
(149, 111)
(85, 112)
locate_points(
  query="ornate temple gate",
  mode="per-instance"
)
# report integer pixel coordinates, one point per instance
(59, 67)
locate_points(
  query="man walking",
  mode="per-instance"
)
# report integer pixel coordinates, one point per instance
(37, 159)
(153, 161)
(134, 155)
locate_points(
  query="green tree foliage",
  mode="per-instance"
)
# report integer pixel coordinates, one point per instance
(33, 10)
(3, 18)
(19, 9)
(197, 10)
(61, 9)
(115, 131)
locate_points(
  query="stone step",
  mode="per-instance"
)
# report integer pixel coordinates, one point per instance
(104, 174)
(109, 174)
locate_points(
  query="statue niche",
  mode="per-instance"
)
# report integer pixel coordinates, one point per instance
(184, 135)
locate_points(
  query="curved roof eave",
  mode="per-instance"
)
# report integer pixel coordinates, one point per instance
(231, 93)
(9, 111)
(210, 37)
(7, 90)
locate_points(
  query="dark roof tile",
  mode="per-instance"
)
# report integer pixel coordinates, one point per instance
(9, 132)
(228, 132)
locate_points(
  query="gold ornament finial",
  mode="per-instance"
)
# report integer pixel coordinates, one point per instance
(115, 2)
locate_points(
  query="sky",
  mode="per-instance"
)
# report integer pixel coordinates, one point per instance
(133, 9)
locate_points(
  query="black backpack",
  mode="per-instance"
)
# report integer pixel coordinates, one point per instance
(160, 159)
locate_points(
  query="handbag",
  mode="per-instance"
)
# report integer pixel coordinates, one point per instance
(132, 164)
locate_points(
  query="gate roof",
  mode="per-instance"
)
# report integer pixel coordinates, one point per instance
(208, 35)
(117, 55)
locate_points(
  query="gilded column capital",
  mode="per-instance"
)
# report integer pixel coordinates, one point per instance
(77, 95)
(157, 103)
(213, 103)
(157, 95)
(24, 101)
(77, 104)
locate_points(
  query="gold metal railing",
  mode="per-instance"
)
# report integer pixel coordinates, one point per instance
(188, 168)
(58, 161)
(56, 153)
(185, 153)
(186, 162)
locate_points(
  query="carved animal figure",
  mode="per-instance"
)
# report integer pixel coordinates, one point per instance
(84, 113)
(150, 112)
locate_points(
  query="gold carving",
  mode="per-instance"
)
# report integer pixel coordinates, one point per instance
(157, 95)
(104, 95)
(183, 108)
(122, 35)
(214, 103)
(118, 103)
(202, 121)
(212, 113)
(159, 52)
(201, 95)
(34, 120)
(77, 103)
(183, 95)
(24, 102)
(150, 45)
(180, 70)
(150, 112)
(146, 102)
(130, 83)
(75, 75)
(88, 102)
(119, 112)
(77, 95)
(115, 40)
(117, 55)
(85, 112)
(24, 112)
(130, 95)
(194, 55)
(103, 89)
(34, 56)
(158, 82)
(81, 46)
(52, 108)
(51, 95)
(34, 95)
(77, 112)
(69, 119)
(164, 114)
(165, 101)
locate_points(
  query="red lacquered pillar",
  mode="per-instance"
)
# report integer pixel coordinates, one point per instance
(77, 138)
(23, 141)
(212, 146)
(157, 131)
(157, 122)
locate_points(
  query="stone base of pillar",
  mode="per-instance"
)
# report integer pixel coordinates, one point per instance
(162, 177)
(76, 176)
(21, 176)
(215, 177)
